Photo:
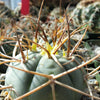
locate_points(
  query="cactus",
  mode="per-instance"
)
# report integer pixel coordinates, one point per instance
(88, 11)
(24, 82)
(41, 67)
(46, 64)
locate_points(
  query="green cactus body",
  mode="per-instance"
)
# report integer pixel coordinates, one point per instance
(90, 12)
(23, 82)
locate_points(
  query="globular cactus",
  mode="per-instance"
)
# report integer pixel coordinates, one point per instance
(39, 70)
(44, 67)
(24, 82)
(88, 11)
